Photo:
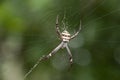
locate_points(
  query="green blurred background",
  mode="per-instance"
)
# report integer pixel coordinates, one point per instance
(27, 31)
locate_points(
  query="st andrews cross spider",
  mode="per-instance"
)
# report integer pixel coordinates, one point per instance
(65, 37)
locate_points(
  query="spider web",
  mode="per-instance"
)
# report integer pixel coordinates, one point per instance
(87, 29)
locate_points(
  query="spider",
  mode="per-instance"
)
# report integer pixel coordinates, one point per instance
(65, 37)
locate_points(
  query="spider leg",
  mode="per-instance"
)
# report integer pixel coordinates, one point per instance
(57, 27)
(54, 51)
(73, 36)
(44, 58)
(70, 55)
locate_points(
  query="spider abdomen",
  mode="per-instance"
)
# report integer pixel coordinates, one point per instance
(65, 36)
(66, 39)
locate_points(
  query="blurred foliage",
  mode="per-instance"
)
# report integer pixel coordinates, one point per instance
(27, 31)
